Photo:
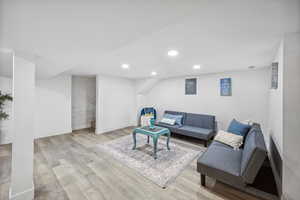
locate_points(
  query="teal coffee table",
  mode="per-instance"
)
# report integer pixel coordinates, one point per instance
(154, 132)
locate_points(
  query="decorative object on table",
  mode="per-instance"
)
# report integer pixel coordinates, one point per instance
(154, 132)
(152, 122)
(225, 87)
(274, 80)
(230, 139)
(3, 99)
(145, 120)
(162, 171)
(147, 114)
(191, 86)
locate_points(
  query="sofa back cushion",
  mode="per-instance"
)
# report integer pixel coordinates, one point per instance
(253, 155)
(199, 120)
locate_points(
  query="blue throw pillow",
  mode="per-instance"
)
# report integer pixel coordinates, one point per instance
(178, 118)
(238, 128)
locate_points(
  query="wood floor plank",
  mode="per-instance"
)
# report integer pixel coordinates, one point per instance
(135, 179)
(105, 173)
(71, 167)
(107, 191)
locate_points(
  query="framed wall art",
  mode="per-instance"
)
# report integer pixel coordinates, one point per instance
(191, 86)
(274, 78)
(225, 87)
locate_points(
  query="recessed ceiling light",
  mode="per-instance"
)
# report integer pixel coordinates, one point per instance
(196, 66)
(153, 73)
(172, 53)
(125, 66)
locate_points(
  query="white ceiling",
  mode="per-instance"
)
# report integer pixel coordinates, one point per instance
(91, 37)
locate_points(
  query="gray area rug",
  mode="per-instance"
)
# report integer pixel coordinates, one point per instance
(163, 170)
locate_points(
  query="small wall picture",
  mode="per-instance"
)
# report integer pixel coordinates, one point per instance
(191, 86)
(225, 87)
(274, 83)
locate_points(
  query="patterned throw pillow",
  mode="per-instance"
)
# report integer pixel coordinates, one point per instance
(230, 139)
(178, 118)
(168, 121)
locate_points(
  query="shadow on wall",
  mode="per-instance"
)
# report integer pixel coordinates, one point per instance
(276, 162)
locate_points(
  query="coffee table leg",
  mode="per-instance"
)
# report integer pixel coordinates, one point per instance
(168, 140)
(134, 140)
(155, 138)
(148, 139)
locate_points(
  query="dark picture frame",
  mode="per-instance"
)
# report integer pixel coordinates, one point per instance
(225, 87)
(191, 86)
(274, 76)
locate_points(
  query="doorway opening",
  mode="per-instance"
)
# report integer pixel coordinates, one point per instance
(84, 103)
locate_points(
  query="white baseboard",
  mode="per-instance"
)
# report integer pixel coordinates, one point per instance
(54, 134)
(99, 132)
(25, 195)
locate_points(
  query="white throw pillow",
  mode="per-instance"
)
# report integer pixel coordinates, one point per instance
(248, 121)
(168, 121)
(230, 139)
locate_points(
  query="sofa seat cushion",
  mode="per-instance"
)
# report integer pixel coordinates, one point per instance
(220, 144)
(221, 162)
(192, 131)
(222, 158)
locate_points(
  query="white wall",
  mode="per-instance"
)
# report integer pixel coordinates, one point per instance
(291, 116)
(83, 101)
(53, 106)
(249, 98)
(5, 125)
(142, 87)
(275, 123)
(116, 103)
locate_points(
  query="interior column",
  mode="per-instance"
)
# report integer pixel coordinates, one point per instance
(22, 187)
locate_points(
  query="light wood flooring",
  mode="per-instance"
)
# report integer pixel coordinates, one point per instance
(69, 167)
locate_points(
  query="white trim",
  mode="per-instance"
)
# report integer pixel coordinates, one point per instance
(112, 129)
(25, 195)
(54, 134)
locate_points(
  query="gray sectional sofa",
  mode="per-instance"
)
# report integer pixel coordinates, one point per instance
(237, 168)
(194, 125)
